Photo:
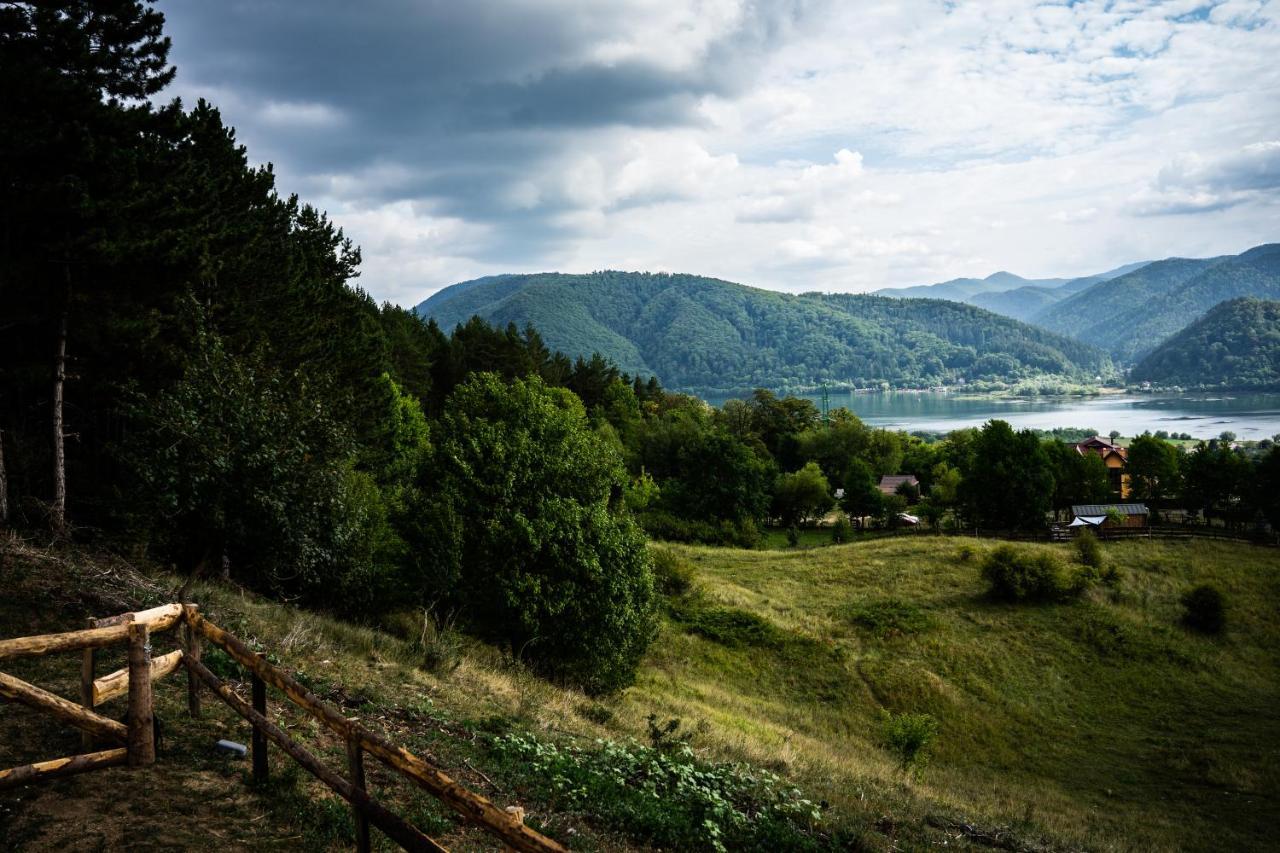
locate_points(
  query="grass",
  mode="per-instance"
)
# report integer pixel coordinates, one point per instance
(775, 538)
(1100, 724)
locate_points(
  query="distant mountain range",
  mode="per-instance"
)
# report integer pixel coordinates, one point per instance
(706, 334)
(1130, 315)
(1235, 345)
(1006, 293)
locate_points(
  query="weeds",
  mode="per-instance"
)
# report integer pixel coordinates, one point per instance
(666, 798)
(889, 617)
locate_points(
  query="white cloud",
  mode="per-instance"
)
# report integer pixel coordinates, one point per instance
(811, 144)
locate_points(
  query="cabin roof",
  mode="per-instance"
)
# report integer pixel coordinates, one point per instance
(1092, 510)
(889, 483)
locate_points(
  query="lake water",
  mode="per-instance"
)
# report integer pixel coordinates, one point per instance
(1249, 416)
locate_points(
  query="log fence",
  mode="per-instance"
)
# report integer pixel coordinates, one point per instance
(133, 743)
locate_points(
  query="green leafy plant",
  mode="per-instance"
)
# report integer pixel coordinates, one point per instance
(672, 575)
(664, 797)
(910, 737)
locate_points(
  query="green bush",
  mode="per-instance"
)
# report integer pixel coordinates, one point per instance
(670, 528)
(965, 553)
(841, 531)
(1206, 609)
(793, 536)
(664, 798)
(909, 737)
(889, 617)
(672, 575)
(1088, 549)
(1014, 574)
(727, 626)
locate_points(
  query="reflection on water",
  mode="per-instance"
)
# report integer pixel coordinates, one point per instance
(1249, 416)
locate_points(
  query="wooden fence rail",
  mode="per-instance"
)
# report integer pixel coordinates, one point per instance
(136, 630)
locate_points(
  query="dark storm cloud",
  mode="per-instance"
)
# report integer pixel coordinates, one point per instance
(443, 103)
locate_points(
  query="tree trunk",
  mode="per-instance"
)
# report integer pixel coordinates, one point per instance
(58, 512)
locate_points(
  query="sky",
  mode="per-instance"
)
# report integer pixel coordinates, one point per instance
(836, 145)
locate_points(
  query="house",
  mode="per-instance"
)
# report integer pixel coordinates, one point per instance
(890, 483)
(1115, 457)
(1104, 515)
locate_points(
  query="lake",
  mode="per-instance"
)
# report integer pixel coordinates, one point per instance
(1249, 416)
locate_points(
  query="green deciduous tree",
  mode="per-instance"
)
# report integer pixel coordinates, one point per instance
(1009, 483)
(803, 496)
(528, 537)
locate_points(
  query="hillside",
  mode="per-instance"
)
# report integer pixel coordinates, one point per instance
(1130, 315)
(1097, 725)
(1235, 345)
(966, 289)
(707, 334)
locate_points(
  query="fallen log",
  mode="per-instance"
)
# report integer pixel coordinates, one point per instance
(69, 712)
(59, 767)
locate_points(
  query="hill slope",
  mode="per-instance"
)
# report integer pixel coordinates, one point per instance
(1235, 345)
(707, 334)
(1130, 315)
(1096, 725)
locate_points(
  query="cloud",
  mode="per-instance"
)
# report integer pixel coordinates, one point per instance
(797, 144)
(1192, 183)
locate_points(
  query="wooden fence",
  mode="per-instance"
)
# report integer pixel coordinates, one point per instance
(134, 743)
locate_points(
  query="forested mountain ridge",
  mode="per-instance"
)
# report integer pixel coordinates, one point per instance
(1235, 345)
(708, 334)
(1130, 315)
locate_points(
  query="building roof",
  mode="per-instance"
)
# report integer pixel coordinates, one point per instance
(1091, 510)
(1102, 445)
(889, 483)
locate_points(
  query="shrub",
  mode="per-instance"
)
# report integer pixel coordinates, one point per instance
(665, 798)
(841, 531)
(1022, 575)
(965, 553)
(727, 626)
(672, 575)
(670, 528)
(793, 536)
(889, 617)
(909, 737)
(1206, 609)
(1088, 549)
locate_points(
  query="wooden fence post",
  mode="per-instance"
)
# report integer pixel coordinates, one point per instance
(259, 737)
(86, 687)
(142, 744)
(355, 761)
(192, 651)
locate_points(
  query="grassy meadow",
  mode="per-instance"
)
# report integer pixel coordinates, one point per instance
(1101, 724)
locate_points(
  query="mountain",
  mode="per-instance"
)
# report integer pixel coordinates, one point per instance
(964, 289)
(1130, 315)
(1235, 345)
(1006, 293)
(707, 334)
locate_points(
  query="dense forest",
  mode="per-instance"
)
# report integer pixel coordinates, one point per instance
(706, 334)
(1235, 345)
(1130, 315)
